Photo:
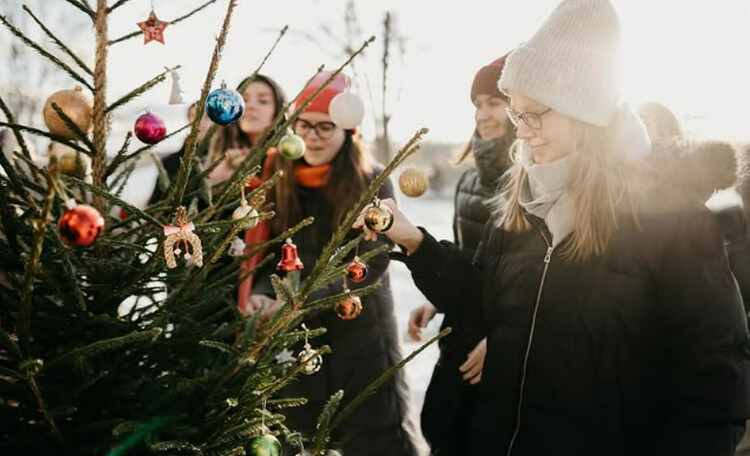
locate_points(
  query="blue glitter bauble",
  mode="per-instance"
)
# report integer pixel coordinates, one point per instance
(224, 106)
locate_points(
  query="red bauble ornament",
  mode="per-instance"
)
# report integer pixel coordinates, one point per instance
(349, 308)
(81, 226)
(289, 258)
(357, 270)
(150, 128)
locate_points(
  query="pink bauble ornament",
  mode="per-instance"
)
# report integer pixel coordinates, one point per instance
(150, 128)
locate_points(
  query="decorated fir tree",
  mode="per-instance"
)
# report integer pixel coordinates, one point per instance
(180, 371)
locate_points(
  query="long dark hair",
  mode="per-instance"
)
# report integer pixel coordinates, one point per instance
(349, 177)
(231, 136)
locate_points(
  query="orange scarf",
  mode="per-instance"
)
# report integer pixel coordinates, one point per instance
(311, 176)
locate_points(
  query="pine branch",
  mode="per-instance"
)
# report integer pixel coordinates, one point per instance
(172, 22)
(232, 189)
(291, 375)
(123, 178)
(16, 132)
(175, 446)
(186, 164)
(45, 134)
(100, 115)
(8, 219)
(327, 302)
(43, 407)
(282, 291)
(13, 177)
(103, 346)
(285, 403)
(239, 225)
(83, 7)
(132, 210)
(268, 54)
(143, 88)
(116, 5)
(324, 419)
(122, 158)
(377, 383)
(345, 226)
(74, 128)
(59, 43)
(28, 42)
(70, 276)
(162, 180)
(40, 226)
(220, 346)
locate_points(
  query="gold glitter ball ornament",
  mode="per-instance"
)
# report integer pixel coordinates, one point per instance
(413, 182)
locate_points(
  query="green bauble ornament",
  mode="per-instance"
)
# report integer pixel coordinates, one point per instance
(292, 147)
(264, 445)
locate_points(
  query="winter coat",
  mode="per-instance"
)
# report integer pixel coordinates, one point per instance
(642, 350)
(449, 399)
(362, 349)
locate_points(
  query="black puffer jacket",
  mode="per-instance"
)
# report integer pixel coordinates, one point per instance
(476, 187)
(640, 351)
(362, 349)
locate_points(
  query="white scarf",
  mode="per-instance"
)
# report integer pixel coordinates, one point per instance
(544, 193)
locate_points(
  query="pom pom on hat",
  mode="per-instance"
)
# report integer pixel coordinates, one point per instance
(322, 101)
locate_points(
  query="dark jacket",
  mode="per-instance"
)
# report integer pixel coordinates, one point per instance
(449, 399)
(642, 350)
(362, 349)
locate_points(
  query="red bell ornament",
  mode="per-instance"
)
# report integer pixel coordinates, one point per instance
(356, 271)
(289, 258)
(349, 308)
(81, 226)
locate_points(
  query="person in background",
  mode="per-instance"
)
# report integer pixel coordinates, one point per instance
(171, 162)
(614, 325)
(661, 123)
(455, 385)
(667, 136)
(325, 183)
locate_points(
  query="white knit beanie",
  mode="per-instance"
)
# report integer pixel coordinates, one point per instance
(571, 64)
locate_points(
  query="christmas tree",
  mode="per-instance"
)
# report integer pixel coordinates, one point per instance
(180, 370)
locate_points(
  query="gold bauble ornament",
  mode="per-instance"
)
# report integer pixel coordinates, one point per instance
(378, 218)
(413, 182)
(73, 164)
(75, 105)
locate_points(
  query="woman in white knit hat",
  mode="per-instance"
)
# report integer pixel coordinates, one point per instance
(613, 323)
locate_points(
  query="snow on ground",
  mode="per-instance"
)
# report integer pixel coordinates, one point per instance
(435, 214)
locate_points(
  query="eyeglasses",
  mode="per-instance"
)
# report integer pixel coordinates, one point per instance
(324, 130)
(533, 120)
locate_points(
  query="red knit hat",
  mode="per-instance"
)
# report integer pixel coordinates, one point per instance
(485, 82)
(321, 103)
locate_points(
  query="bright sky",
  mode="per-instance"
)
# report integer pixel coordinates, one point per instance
(692, 55)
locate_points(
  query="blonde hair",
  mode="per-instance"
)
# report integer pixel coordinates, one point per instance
(599, 181)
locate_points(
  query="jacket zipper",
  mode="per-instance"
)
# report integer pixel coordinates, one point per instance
(547, 258)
